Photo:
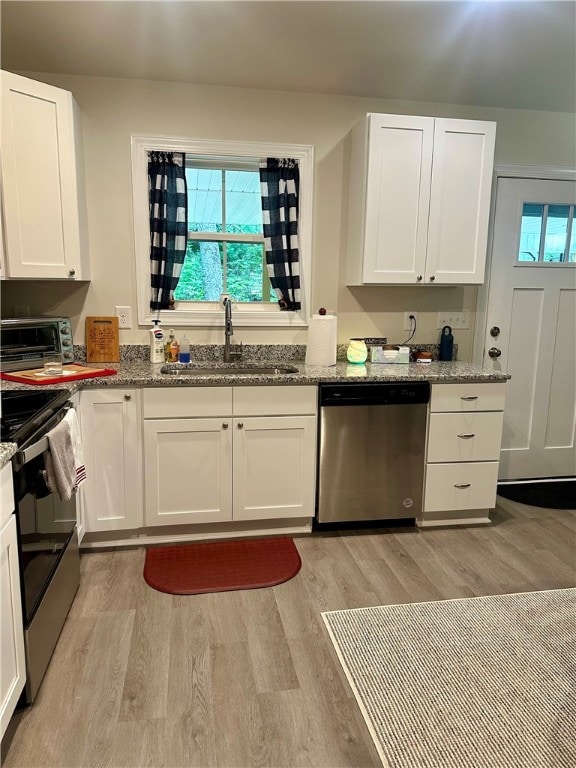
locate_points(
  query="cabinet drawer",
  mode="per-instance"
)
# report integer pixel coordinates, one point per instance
(482, 396)
(186, 402)
(465, 436)
(275, 401)
(460, 486)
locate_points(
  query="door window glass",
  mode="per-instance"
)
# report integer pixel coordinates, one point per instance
(547, 234)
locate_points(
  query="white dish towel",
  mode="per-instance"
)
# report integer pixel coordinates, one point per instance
(64, 462)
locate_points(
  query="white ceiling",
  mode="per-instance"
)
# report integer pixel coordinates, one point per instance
(500, 53)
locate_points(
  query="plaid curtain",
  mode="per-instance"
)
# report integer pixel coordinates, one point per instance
(168, 204)
(279, 187)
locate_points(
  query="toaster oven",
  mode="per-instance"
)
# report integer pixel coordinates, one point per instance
(29, 342)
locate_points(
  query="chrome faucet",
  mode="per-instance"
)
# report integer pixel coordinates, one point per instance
(229, 356)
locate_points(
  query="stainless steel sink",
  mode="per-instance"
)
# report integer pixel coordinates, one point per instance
(227, 370)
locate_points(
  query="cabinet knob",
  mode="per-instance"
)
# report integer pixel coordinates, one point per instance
(127, 397)
(494, 352)
(72, 272)
(494, 331)
(240, 425)
(462, 485)
(419, 278)
(225, 425)
(432, 278)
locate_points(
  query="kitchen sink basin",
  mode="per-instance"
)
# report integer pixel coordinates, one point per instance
(223, 370)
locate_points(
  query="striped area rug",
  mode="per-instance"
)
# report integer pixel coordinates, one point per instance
(484, 682)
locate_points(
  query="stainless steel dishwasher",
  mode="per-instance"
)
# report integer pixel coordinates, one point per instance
(371, 442)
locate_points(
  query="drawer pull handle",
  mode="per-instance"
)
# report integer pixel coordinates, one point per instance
(461, 485)
(469, 397)
(467, 435)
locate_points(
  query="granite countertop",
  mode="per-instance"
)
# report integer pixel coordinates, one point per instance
(7, 450)
(135, 371)
(148, 374)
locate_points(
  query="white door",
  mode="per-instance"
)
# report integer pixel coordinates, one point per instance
(112, 493)
(188, 471)
(531, 325)
(274, 467)
(39, 180)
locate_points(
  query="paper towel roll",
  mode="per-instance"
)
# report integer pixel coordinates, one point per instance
(322, 340)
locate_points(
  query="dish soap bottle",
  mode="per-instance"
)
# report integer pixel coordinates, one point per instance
(174, 350)
(171, 348)
(184, 354)
(156, 343)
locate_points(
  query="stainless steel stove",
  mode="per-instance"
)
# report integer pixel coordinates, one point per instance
(46, 526)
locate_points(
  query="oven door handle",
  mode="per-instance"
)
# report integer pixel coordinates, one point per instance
(26, 455)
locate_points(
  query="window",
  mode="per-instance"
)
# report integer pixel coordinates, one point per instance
(547, 234)
(225, 249)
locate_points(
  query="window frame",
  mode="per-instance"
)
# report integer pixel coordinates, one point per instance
(540, 262)
(210, 314)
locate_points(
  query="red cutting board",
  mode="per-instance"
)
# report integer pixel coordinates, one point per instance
(72, 372)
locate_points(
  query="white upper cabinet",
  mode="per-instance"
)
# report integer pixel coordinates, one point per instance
(43, 195)
(419, 200)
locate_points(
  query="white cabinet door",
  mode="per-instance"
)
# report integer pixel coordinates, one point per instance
(397, 198)
(419, 200)
(460, 201)
(43, 194)
(13, 665)
(111, 440)
(188, 475)
(274, 467)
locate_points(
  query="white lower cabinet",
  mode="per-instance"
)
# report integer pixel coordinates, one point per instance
(462, 453)
(187, 468)
(229, 454)
(12, 660)
(274, 467)
(111, 440)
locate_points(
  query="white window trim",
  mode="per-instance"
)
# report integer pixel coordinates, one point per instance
(210, 314)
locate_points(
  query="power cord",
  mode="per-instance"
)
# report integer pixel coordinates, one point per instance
(412, 322)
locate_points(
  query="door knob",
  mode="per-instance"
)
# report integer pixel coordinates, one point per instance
(127, 397)
(71, 272)
(494, 352)
(225, 425)
(494, 331)
(240, 425)
(419, 278)
(432, 278)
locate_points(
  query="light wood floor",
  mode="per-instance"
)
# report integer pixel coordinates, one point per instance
(140, 678)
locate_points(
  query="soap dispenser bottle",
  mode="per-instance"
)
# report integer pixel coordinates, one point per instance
(156, 343)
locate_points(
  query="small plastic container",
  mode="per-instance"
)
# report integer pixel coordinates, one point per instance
(184, 354)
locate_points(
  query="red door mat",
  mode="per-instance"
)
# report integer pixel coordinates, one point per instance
(221, 566)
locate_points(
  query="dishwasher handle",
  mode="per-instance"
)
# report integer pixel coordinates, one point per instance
(388, 393)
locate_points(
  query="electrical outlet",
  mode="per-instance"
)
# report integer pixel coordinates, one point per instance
(456, 320)
(409, 324)
(124, 315)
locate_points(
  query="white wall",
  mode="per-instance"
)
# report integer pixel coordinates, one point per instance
(113, 109)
